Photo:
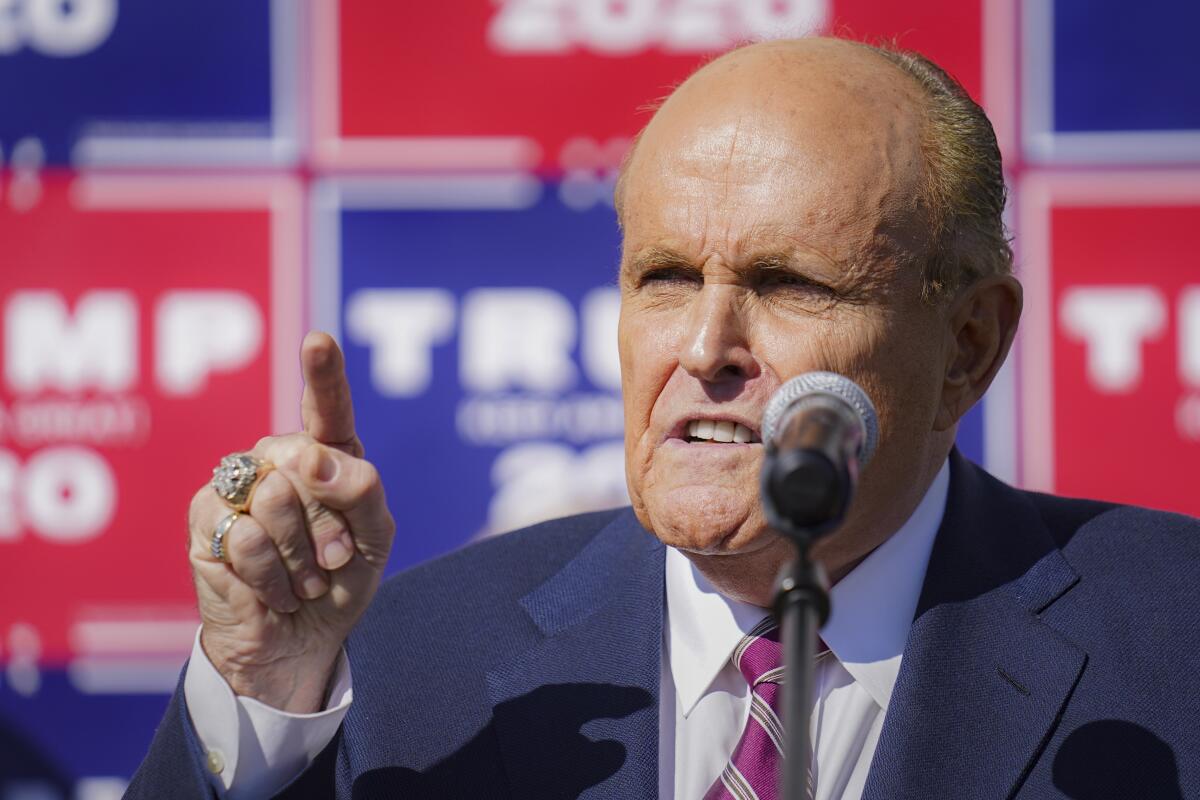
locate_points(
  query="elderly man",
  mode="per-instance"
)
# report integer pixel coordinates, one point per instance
(793, 206)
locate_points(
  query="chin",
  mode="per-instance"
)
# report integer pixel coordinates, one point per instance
(703, 520)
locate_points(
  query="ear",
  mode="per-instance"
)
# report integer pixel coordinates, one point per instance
(980, 326)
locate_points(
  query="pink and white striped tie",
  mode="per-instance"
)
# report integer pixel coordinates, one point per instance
(754, 768)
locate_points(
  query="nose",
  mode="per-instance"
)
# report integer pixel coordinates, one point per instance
(716, 348)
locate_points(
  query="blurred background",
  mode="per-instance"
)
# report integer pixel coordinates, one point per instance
(187, 186)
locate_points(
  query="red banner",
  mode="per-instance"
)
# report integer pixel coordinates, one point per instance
(1111, 356)
(143, 322)
(559, 85)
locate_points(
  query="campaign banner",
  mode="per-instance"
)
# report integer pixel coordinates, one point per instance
(148, 83)
(1105, 81)
(58, 742)
(1110, 358)
(478, 315)
(529, 84)
(149, 326)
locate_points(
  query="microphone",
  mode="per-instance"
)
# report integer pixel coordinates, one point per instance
(818, 431)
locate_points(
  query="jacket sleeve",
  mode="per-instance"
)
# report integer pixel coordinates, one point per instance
(175, 765)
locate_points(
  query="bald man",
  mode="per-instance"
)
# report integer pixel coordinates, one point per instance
(793, 206)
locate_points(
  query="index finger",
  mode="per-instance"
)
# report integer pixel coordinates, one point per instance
(326, 409)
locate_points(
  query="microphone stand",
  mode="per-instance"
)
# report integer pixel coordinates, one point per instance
(814, 434)
(805, 494)
(802, 607)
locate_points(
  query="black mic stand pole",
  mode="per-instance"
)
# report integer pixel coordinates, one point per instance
(806, 488)
(802, 607)
(805, 494)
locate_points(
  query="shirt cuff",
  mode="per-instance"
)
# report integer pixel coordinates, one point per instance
(252, 749)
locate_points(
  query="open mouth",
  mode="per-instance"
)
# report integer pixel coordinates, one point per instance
(719, 431)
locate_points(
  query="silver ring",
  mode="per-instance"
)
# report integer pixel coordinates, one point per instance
(218, 537)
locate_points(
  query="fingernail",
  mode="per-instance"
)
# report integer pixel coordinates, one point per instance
(337, 553)
(314, 586)
(327, 467)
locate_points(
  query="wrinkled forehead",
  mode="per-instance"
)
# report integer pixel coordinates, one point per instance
(822, 130)
(843, 178)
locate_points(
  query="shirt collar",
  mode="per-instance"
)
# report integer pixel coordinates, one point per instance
(874, 604)
(703, 628)
(873, 607)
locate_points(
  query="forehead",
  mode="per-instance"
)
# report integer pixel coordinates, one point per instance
(749, 158)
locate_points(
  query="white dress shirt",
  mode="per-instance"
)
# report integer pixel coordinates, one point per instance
(254, 750)
(709, 701)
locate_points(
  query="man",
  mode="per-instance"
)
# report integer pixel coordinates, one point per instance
(793, 206)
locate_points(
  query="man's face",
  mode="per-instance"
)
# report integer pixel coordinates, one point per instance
(769, 234)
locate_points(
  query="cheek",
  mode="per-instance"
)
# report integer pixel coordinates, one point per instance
(792, 344)
(648, 350)
(890, 361)
(903, 377)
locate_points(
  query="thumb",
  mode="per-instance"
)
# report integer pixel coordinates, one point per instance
(352, 486)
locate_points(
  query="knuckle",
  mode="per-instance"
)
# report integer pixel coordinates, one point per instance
(284, 450)
(315, 510)
(197, 551)
(273, 497)
(249, 544)
(201, 525)
(369, 474)
(266, 577)
(323, 521)
(198, 508)
(294, 551)
(201, 497)
(265, 444)
(365, 483)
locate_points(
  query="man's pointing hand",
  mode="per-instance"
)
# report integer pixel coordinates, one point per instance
(305, 561)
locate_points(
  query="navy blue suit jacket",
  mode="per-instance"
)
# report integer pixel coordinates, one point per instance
(1055, 652)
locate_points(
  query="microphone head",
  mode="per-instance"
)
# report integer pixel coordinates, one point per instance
(810, 384)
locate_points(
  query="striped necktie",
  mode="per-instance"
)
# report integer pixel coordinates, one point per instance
(753, 770)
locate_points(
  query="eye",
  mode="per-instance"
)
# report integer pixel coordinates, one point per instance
(668, 275)
(787, 279)
(781, 278)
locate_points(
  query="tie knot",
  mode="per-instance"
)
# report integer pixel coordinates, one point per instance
(759, 655)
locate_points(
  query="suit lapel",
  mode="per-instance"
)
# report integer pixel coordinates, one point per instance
(577, 713)
(983, 680)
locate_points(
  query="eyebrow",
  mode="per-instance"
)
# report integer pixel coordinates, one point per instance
(776, 261)
(660, 258)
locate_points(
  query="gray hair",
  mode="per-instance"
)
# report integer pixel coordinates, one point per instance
(963, 186)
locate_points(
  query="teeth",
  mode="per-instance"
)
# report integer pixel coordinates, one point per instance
(725, 431)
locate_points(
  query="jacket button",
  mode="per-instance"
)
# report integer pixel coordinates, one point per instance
(216, 762)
